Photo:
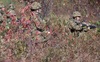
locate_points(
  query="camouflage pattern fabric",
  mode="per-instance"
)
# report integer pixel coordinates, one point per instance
(35, 5)
(11, 6)
(1, 5)
(76, 13)
(73, 25)
(76, 28)
(39, 23)
(39, 36)
(12, 12)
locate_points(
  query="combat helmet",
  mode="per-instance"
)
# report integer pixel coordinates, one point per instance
(35, 5)
(76, 13)
(2, 5)
(11, 6)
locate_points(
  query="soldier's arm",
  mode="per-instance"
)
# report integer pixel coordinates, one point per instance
(41, 24)
(86, 29)
(75, 26)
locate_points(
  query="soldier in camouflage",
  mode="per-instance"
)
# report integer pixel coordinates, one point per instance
(36, 10)
(10, 11)
(2, 7)
(37, 23)
(74, 27)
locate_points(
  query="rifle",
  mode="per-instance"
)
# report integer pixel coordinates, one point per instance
(85, 24)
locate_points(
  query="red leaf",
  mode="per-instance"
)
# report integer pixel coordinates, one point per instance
(4, 23)
(23, 10)
(1, 28)
(8, 37)
(70, 37)
(46, 27)
(32, 13)
(37, 24)
(28, 21)
(24, 25)
(16, 0)
(28, 32)
(96, 2)
(36, 16)
(5, 18)
(23, 15)
(37, 38)
(12, 43)
(37, 32)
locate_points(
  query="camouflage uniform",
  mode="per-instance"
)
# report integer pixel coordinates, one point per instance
(10, 13)
(1, 13)
(11, 6)
(37, 23)
(75, 28)
(10, 10)
(37, 17)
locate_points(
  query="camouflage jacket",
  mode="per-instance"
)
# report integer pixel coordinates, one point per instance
(38, 32)
(73, 25)
(37, 21)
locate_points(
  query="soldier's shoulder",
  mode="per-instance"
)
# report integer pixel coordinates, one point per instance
(71, 19)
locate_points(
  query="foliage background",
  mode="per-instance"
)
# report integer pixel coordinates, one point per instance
(60, 48)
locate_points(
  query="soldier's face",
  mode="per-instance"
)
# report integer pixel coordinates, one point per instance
(78, 18)
(40, 10)
(3, 9)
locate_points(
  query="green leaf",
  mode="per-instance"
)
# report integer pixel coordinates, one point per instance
(98, 23)
(98, 30)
